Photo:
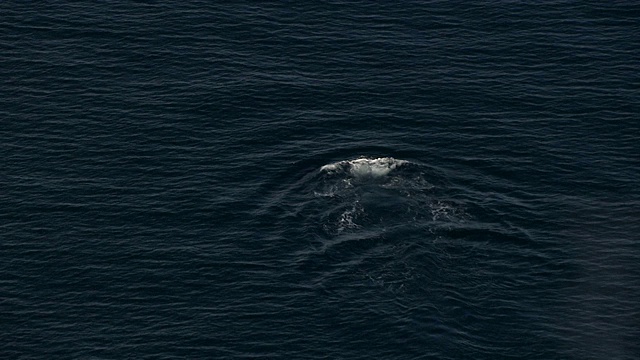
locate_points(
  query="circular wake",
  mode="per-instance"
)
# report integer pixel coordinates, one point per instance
(367, 216)
(379, 193)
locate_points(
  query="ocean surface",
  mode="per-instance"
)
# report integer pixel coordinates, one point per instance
(320, 180)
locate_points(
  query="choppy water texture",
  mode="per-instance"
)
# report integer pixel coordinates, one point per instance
(320, 180)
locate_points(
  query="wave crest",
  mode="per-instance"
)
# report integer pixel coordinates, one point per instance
(364, 167)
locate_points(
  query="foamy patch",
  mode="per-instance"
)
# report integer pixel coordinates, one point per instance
(346, 220)
(445, 211)
(364, 167)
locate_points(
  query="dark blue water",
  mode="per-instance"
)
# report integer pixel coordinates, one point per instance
(320, 180)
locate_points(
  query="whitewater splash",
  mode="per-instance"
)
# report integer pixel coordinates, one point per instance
(364, 167)
(379, 193)
(366, 212)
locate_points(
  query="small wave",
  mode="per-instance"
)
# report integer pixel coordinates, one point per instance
(364, 167)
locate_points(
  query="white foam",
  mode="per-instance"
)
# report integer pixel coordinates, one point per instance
(365, 167)
(347, 217)
(446, 211)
